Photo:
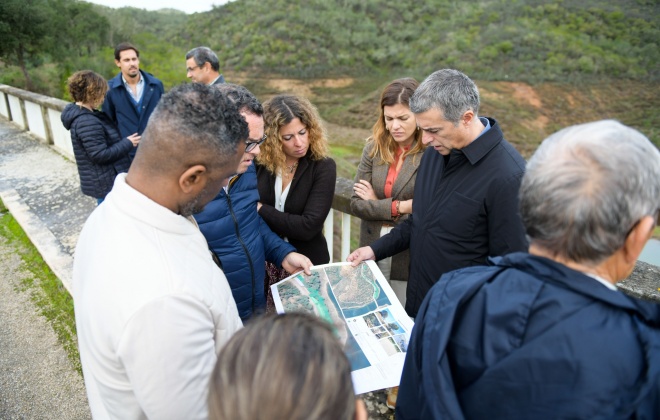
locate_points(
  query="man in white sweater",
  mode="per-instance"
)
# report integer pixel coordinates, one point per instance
(152, 308)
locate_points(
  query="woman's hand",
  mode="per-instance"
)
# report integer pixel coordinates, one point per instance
(364, 190)
(405, 206)
(259, 206)
(134, 138)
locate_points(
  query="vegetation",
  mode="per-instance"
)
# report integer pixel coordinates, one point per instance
(45, 289)
(540, 65)
(524, 40)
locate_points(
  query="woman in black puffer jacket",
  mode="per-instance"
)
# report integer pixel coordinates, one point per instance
(101, 153)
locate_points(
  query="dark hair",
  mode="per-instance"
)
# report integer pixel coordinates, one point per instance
(204, 55)
(123, 47)
(87, 87)
(243, 98)
(398, 91)
(192, 122)
(292, 366)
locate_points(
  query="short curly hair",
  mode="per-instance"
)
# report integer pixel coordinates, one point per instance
(87, 87)
(280, 111)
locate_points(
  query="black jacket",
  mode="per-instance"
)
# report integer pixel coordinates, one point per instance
(101, 153)
(307, 205)
(465, 210)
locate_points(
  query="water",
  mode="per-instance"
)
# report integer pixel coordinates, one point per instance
(651, 252)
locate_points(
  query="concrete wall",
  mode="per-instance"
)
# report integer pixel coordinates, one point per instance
(38, 114)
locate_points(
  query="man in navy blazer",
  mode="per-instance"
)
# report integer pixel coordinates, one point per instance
(133, 94)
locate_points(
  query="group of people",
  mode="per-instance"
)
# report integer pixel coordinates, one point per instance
(507, 267)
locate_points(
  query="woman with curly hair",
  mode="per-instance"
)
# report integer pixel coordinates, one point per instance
(295, 175)
(385, 179)
(101, 153)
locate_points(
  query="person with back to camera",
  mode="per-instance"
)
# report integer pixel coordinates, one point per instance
(546, 334)
(385, 180)
(101, 153)
(288, 367)
(296, 178)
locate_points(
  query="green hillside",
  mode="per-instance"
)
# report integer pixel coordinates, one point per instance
(523, 40)
(540, 65)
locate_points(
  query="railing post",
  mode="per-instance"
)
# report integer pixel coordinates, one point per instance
(345, 235)
(329, 232)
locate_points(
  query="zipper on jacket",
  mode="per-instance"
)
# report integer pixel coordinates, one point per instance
(245, 249)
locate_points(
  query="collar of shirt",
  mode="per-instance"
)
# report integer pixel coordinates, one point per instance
(398, 152)
(214, 80)
(230, 183)
(482, 144)
(602, 281)
(139, 88)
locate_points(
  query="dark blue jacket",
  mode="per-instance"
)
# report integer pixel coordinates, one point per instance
(101, 153)
(242, 241)
(119, 106)
(530, 338)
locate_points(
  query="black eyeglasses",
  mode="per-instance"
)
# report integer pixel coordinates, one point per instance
(251, 144)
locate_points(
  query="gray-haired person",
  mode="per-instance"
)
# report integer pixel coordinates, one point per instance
(546, 334)
(203, 66)
(152, 308)
(465, 205)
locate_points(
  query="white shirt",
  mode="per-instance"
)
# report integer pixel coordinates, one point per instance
(602, 281)
(138, 89)
(152, 310)
(280, 196)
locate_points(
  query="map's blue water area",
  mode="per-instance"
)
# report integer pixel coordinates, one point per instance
(318, 301)
(380, 298)
(353, 351)
(363, 310)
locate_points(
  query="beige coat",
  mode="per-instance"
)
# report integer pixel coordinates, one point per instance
(374, 213)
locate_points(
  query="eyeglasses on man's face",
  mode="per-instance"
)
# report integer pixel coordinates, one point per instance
(251, 144)
(190, 69)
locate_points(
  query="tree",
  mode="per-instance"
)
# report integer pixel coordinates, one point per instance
(23, 30)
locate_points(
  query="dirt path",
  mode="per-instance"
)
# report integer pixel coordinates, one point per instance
(37, 380)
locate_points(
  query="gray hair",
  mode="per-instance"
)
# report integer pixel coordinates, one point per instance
(449, 91)
(586, 187)
(288, 366)
(192, 123)
(204, 55)
(242, 98)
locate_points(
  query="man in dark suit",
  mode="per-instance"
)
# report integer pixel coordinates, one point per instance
(203, 66)
(132, 95)
(466, 192)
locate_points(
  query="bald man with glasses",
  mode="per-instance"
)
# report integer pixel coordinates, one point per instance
(235, 232)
